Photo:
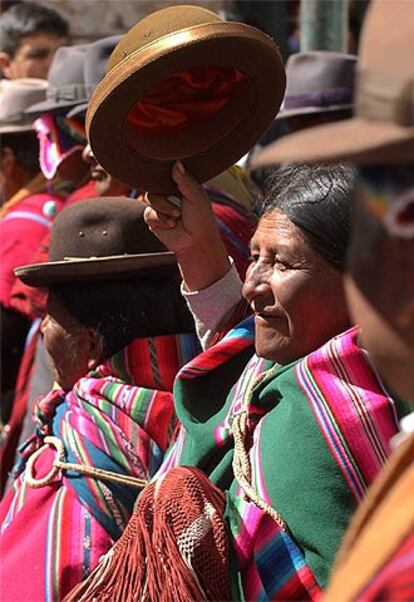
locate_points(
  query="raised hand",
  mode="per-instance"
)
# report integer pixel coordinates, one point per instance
(187, 226)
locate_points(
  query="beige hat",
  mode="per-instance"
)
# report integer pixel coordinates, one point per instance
(382, 129)
(183, 84)
(15, 97)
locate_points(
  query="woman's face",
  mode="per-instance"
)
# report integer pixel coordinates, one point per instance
(297, 297)
(69, 345)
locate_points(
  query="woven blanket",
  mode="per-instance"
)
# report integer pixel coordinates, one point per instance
(318, 432)
(118, 418)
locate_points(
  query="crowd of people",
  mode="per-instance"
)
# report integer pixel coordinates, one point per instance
(207, 312)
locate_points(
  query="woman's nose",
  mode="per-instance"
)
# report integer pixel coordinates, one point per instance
(256, 283)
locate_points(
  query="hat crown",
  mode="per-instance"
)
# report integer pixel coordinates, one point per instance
(102, 227)
(96, 60)
(385, 88)
(157, 25)
(319, 70)
(387, 41)
(17, 95)
(67, 66)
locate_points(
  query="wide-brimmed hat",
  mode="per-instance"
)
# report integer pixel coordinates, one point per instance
(382, 129)
(319, 81)
(15, 96)
(95, 239)
(183, 84)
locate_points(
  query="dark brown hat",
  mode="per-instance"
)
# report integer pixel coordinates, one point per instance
(98, 238)
(382, 129)
(183, 84)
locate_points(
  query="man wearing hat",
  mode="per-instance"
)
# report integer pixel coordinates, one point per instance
(25, 218)
(116, 332)
(320, 89)
(74, 73)
(376, 559)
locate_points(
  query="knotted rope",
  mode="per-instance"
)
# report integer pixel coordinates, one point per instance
(59, 464)
(241, 461)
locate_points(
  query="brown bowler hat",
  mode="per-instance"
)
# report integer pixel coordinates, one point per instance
(382, 129)
(95, 239)
(183, 84)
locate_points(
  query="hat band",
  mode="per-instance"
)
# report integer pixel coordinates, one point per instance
(322, 98)
(382, 97)
(70, 93)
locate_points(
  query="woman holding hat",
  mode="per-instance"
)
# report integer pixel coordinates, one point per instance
(116, 331)
(290, 436)
(289, 424)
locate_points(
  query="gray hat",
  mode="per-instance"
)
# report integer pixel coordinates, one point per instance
(96, 59)
(15, 97)
(74, 74)
(317, 82)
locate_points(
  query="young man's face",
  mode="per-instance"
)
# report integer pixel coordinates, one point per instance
(380, 279)
(33, 57)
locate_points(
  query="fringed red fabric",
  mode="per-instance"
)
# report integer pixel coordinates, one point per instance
(175, 547)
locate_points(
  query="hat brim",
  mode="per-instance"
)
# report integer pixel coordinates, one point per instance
(284, 113)
(351, 141)
(217, 143)
(49, 107)
(77, 110)
(44, 274)
(16, 129)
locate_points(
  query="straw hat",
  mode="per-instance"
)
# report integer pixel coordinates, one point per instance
(382, 129)
(183, 84)
(98, 238)
(15, 97)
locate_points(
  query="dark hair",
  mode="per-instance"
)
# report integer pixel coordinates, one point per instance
(318, 200)
(121, 310)
(25, 147)
(28, 18)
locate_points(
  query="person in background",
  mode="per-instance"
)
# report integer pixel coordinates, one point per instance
(22, 228)
(29, 37)
(320, 89)
(376, 560)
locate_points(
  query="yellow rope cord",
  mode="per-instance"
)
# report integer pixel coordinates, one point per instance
(59, 464)
(241, 462)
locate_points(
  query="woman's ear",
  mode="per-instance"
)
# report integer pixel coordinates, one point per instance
(95, 347)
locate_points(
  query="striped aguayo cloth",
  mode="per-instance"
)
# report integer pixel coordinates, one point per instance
(319, 431)
(118, 418)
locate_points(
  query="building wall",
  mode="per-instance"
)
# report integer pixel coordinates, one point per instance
(93, 19)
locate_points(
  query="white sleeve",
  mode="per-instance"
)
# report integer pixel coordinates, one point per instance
(212, 306)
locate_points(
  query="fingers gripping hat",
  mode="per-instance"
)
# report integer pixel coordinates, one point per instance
(382, 129)
(98, 238)
(183, 84)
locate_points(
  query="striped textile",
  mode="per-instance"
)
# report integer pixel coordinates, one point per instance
(119, 418)
(342, 392)
(319, 432)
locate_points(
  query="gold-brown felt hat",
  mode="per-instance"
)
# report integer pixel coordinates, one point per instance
(183, 84)
(382, 129)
